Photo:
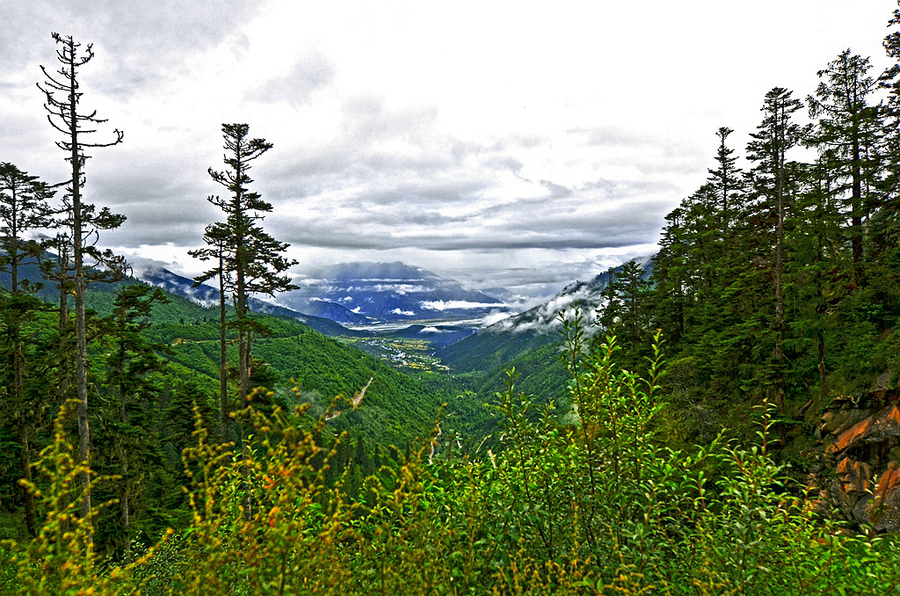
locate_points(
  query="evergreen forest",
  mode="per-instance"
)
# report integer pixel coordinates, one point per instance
(726, 422)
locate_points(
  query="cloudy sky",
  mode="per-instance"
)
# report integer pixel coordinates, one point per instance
(505, 144)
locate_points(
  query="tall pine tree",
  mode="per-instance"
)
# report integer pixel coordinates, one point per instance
(23, 211)
(845, 137)
(249, 260)
(774, 181)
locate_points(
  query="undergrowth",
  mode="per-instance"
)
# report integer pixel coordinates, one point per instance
(587, 501)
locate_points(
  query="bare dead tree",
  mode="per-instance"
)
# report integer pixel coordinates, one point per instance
(83, 220)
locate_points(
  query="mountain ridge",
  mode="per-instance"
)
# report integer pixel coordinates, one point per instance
(392, 292)
(208, 296)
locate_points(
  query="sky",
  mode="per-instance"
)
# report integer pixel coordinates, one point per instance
(504, 144)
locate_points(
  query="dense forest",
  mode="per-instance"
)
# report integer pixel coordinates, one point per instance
(727, 423)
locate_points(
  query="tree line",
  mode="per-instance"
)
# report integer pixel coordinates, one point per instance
(779, 281)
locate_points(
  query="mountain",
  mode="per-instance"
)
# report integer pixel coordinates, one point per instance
(181, 286)
(496, 345)
(208, 296)
(335, 312)
(392, 292)
(439, 336)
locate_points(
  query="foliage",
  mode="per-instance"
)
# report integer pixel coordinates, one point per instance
(597, 505)
(60, 559)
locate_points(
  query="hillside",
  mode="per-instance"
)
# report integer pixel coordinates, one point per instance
(396, 409)
(501, 343)
(492, 347)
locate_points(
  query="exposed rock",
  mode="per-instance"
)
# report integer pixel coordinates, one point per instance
(837, 421)
(833, 498)
(882, 427)
(860, 439)
(854, 476)
(885, 506)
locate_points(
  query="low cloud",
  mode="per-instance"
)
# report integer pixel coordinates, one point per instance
(441, 305)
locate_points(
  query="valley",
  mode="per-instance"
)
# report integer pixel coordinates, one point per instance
(406, 355)
(666, 390)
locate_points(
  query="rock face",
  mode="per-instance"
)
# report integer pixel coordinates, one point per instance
(861, 441)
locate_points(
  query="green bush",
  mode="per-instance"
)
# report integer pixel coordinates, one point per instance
(590, 500)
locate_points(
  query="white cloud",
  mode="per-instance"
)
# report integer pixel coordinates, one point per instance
(442, 305)
(494, 318)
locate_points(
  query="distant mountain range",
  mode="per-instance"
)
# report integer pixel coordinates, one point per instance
(344, 299)
(209, 297)
(388, 292)
(385, 286)
(357, 294)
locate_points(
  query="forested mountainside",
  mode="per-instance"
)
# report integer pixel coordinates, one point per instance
(494, 346)
(293, 353)
(729, 425)
(294, 356)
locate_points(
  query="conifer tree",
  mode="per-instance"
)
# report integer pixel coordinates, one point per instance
(845, 137)
(890, 140)
(774, 181)
(129, 411)
(633, 290)
(252, 262)
(669, 283)
(819, 265)
(885, 224)
(716, 310)
(59, 271)
(625, 310)
(608, 317)
(82, 220)
(216, 238)
(727, 181)
(23, 211)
